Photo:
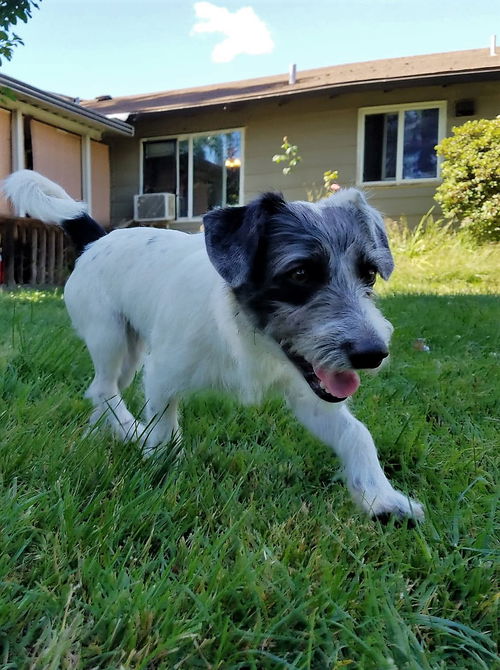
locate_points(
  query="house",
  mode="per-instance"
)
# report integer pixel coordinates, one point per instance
(376, 122)
(66, 142)
(61, 139)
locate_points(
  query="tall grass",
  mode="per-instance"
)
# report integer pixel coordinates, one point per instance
(434, 257)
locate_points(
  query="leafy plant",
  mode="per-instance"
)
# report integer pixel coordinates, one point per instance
(12, 11)
(327, 188)
(470, 192)
(290, 156)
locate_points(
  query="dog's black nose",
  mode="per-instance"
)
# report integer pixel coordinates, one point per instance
(366, 354)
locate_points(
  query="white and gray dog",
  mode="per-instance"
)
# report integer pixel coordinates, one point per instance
(274, 295)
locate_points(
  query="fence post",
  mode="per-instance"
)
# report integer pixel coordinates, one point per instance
(34, 255)
(42, 259)
(32, 252)
(52, 256)
(60, 257)
(10, 277)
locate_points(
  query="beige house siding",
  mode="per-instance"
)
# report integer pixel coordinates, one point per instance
(325, 129)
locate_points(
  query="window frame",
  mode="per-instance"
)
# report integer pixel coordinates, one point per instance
(190, 137)
(363, 112)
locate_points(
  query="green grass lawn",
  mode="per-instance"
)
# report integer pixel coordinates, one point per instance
(247, 552)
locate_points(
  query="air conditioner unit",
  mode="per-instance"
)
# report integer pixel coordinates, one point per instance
(154, 207)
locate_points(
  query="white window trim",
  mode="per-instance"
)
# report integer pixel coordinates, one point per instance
(17, 134)
(441, 105)
(190, 137)
(87, 172)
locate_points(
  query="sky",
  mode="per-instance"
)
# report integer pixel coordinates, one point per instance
(86, 48)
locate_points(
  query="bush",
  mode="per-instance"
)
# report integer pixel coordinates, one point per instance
(470, 192)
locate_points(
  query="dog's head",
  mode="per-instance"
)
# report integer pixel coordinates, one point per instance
(304, 273)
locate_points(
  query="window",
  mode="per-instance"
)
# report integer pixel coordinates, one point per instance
(203, 170)
(398, 143)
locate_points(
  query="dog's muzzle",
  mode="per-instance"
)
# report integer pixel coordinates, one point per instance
(329, 385)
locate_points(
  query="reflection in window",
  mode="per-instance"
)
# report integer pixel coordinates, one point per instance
(420, 138)
(183, 190)
(216, 171)
(381, 132)
(412, 132)
(203, 170)
(159, 168)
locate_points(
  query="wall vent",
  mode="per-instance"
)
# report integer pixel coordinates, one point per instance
(465, 107)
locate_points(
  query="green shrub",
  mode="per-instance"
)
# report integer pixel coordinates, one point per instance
(470, 192)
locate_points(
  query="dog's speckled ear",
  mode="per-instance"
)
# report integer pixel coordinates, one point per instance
(374, 223)
(383, 256)
(232, 236)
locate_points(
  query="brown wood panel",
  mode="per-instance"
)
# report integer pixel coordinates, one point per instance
(57, 154)
(100, 182)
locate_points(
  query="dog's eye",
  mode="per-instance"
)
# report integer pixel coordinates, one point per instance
(299, 275)
(368, 274)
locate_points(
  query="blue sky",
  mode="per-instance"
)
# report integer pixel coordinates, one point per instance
(87, 47)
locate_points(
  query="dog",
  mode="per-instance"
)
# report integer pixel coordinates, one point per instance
(272, 296)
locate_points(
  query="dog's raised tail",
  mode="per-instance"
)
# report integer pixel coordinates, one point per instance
(32, 193)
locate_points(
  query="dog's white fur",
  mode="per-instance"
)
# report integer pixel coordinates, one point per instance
(152, 297)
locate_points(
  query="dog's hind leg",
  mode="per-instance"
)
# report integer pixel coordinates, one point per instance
(108, 346)
(132, 358)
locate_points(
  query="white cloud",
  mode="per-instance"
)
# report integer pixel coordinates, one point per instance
(244, 32)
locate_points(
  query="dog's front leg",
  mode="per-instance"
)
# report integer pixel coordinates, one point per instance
(162, 424)
(352, 442)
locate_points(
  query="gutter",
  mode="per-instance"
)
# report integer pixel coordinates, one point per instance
(37, 95)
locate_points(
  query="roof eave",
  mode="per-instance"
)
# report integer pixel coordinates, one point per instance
(432, 79)
(36, 95)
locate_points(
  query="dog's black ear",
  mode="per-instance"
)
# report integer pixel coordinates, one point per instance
(232, 236)
(372, 221)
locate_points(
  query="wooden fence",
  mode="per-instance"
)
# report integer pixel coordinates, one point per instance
(32, 253)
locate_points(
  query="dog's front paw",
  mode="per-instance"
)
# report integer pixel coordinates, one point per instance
(154, 448)
(132, 431)
(402, 509)
(391, 504)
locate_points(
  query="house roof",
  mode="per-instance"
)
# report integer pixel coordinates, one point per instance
(474, 64)
(64, 106)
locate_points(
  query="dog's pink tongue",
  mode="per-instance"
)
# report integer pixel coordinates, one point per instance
(339, 384)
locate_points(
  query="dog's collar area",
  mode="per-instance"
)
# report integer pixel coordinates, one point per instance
(308, 373)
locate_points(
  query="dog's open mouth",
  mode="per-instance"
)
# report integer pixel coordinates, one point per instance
(329, 385)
